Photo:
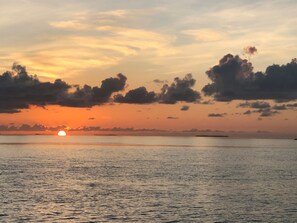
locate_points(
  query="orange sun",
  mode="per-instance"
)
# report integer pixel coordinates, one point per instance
(62, 133)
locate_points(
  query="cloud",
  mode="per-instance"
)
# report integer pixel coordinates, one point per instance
(280, 107)
(185, 108)
(256, 104)
(19, 90)
(113, 129)
(35, 127)
(292, 105)
(88, 96)
(203, 130)
(42, 128)
(233, 78)
(219, 115)
(208, 102)
(266, 112)
(248, 112)
(137, 96)
(205, 35)
(157, 81)
(171, 117)
(250, 50)
(180, 90)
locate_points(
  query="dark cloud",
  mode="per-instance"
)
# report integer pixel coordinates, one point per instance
(256, 104)
(41, 128)
(208, 102)
(292, 105)
(202, 130)
(250, 50)
(248, 112)
(19, 90)
(233, 78)
(266, 112)
(27, 128)
(216, 115)
(185, 108)
(36, 127)
(91, 118)
(90, 96)
(280, 107)
(114, 129)
(171, 117)
(157, 81)
(8, 128)
(265, 108)
(137, 96)
(180, 90)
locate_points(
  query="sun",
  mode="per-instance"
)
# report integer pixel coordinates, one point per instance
(62, 133)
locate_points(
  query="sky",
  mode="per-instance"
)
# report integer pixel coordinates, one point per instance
(182, 66)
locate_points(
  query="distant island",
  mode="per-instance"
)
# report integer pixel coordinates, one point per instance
(217, 136)
(105, 135)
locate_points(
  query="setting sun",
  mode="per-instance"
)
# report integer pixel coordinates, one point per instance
(62, 133)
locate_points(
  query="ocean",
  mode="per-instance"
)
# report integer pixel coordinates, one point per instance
(147, 179)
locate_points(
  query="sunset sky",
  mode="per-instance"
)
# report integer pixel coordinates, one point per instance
(186, 66)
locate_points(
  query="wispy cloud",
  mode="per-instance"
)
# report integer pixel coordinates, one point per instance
(205, 35)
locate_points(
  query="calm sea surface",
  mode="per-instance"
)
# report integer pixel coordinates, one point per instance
(147, 179)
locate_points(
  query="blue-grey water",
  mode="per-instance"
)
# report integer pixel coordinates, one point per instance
(147, 179)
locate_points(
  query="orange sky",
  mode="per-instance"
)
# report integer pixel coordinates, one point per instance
(85, 42)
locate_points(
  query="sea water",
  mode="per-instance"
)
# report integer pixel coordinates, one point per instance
(147, 179)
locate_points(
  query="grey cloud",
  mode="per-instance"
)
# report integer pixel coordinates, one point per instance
(19, 90)
(180, 90)
(88, 96)
(137, 96)
(233, 78)
(208, 102)
(256, 104)
(157, 81)
(248, 112)
(292, 105)
(185, 108)
(216, 115)
(250, 50)
(41, 128)
(114, 129)
(203, 130)
(280, 107)
(28, 128)
(171, 117)
(266, 112)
